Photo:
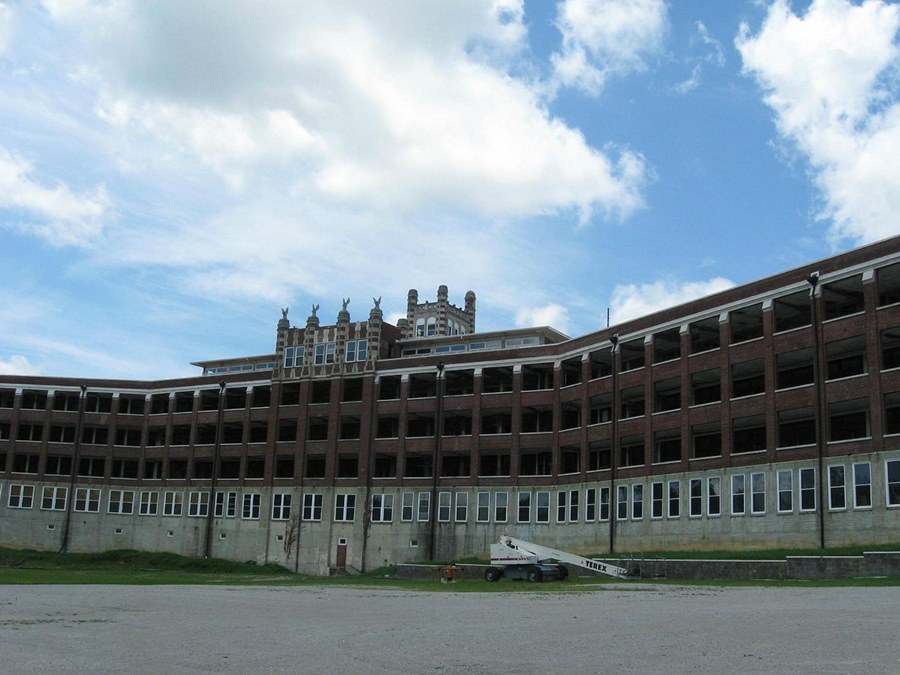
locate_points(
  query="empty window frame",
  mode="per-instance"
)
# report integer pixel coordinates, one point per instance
(389, 388)
(569, 460)
(888, 280)
(748, 434)
(845, 358)
(706, 387)
(631, 355)
(459, 382)
(600, 363)
(796, 427)
(706, 440)
(667, 395)
(456, 464)
(704, 335)
(536, 463)
(748, 378)
(537, 420)
(601, 409)
(632, 400)
(33, 399)
(65, 400)
(121, 502)
(496, 422)
(668, 446)
(890, 348)
(58, 465)
(666, 345)
(862, 485)
(25, 463)
(848, 420)
(599, 456)
(843, 297)
(631, 452)
(746, 323)
(794, 369)
(570, 370)
(792, 311)
(892, 413)
(785, 487)
(497, 380)
(837, 488)
(571, 415)
(537, 376)
(494, 464)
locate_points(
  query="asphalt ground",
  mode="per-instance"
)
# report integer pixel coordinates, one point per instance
(624, 629)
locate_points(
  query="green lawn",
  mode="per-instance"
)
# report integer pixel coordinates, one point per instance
(138, 568)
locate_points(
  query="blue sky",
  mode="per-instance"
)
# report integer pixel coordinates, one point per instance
(173, 173)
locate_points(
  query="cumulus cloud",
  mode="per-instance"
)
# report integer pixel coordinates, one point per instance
(602, 38)
(830, 76)
(632, 301)
(18, 365)
(56, 213)
(396, 110)
(552, 315)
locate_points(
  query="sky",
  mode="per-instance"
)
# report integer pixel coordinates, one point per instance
(173, 173)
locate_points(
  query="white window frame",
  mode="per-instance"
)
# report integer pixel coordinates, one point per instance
(226, 505)
(835, 489)
(90, 502)
(673, 501)
(198, 504)
(501, 506)
(713, 493)
(526, 496)
(637, 501)
(55, 496)
(542, 506)
(445, 501)
(251, 504)
(742, 494)
(483, 507)
(695, 501)
(149, 505)
(573, 505)
(757, 489)
(590, 505)
(865, 486)
(562, 506)
(407, 506)
(461, 507)
(892, 497)
(657, 499)
(119, 503)
(21, 496)
(603, 504)
(621, 502)
(785, 488)
(344, 508)
(423, 507)
(313, 503)
(281, 505)
(807, 491)
(382, 508)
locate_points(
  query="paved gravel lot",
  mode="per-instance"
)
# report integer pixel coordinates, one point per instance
(633, 629)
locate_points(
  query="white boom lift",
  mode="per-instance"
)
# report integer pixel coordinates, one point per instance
(518, 559)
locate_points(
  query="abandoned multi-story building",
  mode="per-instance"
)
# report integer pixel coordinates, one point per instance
(763, 416)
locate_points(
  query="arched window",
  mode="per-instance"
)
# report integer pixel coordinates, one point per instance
(432, 326)
(420, 327)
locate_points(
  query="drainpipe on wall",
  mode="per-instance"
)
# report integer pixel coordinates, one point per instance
(75, 458)
(436, 469)
(813, 280)
(212, 485)
(614, 441)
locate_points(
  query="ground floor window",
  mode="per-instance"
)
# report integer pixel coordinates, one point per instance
(807, 489)
(444, 501)
(149, 503)
(695, 508)
(837, 493)
(862, 485)
(483, 508)
(198, 504)
(656, 500)
(892, 480)
(714, 496)
(542, 507)
(173, 503)
(312, 506)
(501, 507)
(590, 505)
(54, 498)
(737, 495)
(785, 478)
(87, 500)
(462, 507)
(121, 501)
(674, 499)
(345, 508)
(604, 504)
(637, 501)
(226, 505)
(524, 513)
(757, 493)
(382, 508)
(424, 508)
(251, 505)
(407, 503)
(21, 496)
(281, 506)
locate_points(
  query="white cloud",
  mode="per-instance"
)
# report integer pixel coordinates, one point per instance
(606, 37)
(7, 18)
(56, 214)
(830, 77)
(553, 315)
(403, 108)
(18, 365)
(633, 301)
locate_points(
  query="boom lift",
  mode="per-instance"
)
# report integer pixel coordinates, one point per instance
(519, 559)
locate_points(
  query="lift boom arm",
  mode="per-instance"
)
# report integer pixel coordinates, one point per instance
(518, 551)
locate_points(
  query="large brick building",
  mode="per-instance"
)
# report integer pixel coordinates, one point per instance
(764, 416)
